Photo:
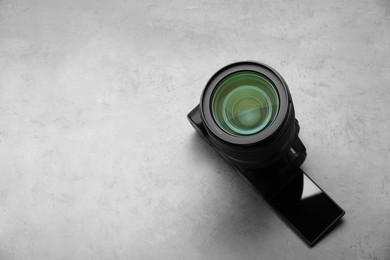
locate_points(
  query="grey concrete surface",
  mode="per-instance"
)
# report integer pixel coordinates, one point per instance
(98, 160)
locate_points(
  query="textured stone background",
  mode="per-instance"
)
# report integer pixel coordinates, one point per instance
(98, 160)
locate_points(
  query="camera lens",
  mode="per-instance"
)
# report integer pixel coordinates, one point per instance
(244, 103)
(248, 115)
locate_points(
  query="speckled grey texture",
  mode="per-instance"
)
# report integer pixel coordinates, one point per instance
(98, 160)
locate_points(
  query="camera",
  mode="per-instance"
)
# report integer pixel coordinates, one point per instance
(247, 115)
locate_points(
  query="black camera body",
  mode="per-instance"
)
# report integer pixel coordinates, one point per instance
(247, 115)
(267, 180)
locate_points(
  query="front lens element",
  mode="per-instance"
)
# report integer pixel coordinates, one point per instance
(244, 103)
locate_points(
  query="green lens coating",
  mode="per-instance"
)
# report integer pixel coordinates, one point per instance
(244, 103)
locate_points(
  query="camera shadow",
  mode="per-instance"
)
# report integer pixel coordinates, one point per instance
(243, 216)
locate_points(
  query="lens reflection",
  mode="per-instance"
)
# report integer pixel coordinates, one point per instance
(244, 103)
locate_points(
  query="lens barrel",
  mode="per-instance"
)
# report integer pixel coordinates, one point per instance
(248, 115)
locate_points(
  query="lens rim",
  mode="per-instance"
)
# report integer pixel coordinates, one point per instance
(272, 75)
